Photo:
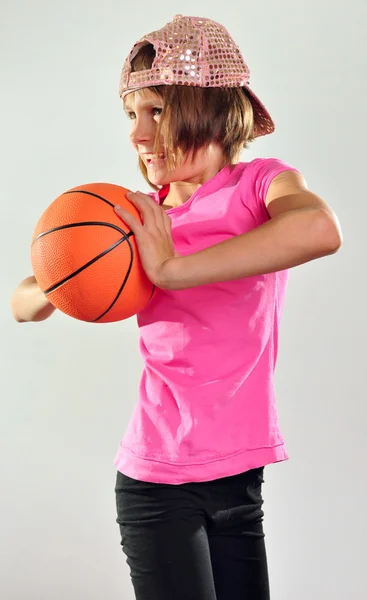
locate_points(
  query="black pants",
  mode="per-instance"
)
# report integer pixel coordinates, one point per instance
(194, 541)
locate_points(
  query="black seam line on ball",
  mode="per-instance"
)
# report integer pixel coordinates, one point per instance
(90, 194)
(83, 224)
(86, 265)
(121, 287)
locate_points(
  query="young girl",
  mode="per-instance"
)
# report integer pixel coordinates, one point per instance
(217, 239)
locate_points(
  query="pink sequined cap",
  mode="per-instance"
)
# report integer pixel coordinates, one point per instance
(197, 52)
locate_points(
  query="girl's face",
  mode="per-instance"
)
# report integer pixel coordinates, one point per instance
(144, 111)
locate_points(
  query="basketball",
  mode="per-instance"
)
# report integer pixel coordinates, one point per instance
(85, 258)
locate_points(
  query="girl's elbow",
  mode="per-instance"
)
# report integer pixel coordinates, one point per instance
(330, 232)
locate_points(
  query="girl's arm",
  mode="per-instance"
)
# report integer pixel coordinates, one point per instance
(28, 302)
(287, 240)
(302, 228)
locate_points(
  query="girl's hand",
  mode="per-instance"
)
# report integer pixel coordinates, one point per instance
(153, 237)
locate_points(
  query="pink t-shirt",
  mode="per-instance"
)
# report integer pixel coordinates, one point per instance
(206, 407)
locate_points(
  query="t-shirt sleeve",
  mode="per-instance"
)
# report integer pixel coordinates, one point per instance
(263, 172)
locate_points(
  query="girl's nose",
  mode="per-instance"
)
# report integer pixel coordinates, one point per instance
(142, 132)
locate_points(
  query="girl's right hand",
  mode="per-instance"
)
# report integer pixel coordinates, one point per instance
(29, 303)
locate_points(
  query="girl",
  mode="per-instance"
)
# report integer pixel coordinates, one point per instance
(217, 238)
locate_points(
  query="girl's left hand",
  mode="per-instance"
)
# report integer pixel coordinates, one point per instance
(153, 237)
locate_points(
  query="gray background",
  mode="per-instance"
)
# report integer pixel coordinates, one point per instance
(68, 388)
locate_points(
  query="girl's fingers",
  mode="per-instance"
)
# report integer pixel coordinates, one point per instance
(128, 218)
(167, 223)
(151, 213)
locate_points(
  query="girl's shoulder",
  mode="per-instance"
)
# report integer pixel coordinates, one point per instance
(260, 171)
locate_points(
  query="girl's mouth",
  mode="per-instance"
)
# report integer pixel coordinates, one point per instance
(154, 161)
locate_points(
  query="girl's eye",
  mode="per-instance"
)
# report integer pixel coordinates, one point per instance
(131, 114)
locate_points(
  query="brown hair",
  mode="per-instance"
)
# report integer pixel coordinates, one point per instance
(193, 117)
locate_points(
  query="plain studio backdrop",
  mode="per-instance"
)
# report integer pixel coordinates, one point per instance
(68, 388)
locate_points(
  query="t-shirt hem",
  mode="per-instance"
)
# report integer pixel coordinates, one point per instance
(154, 471)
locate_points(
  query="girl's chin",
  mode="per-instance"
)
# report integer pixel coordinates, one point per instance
(159, 178)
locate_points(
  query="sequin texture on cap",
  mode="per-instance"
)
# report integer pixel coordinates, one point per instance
(197, 52)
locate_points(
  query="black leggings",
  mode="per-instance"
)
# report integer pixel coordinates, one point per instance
(194, 541)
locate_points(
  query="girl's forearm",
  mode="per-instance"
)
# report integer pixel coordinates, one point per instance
(28, 302)
(288, 240)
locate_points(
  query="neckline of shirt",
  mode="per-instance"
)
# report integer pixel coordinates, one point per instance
(163, 191)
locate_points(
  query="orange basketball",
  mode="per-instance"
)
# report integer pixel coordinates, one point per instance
(85, 259)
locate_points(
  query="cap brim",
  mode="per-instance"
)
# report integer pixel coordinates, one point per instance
(264, 124)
